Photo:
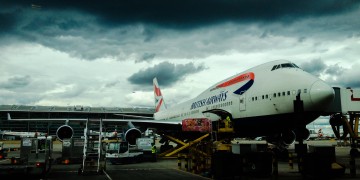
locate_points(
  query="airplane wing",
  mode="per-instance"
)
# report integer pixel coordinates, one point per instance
(146, 120)
(129, 115)
(24, 134)
(132, 127)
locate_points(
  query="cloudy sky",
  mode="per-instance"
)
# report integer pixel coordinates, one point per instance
(105, 53)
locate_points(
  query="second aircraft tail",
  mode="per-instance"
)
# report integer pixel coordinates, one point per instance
(159, 100)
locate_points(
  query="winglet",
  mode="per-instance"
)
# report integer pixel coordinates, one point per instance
(159, 100)
(8, 116)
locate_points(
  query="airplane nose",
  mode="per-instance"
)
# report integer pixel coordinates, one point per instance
(321, 94)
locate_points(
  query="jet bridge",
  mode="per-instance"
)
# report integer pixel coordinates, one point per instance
(345, 112)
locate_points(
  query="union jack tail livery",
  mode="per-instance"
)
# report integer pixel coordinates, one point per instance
(159, 100)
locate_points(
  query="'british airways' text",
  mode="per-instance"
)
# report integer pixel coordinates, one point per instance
(210, 100)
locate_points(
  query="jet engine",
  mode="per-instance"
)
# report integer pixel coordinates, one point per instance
(302, 134)
(131, 133)
(285, 138)
(64, 132)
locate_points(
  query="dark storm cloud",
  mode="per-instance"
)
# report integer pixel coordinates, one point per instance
(16, 82)
(111, 84)
(187, 13)
(166, 73)
(146, 57)
(336, 75)
(315, 66)
(344, 77)
(124, 29)
(335, 70)
(346, 80)
(7, 22)
(353, 83)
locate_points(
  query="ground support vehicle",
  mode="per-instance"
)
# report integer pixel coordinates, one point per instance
(120, 152)
(147, 146)
(3, 151)
(72, 151)
(35, 157)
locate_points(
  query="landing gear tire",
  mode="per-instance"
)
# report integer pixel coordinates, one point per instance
(80, 170)
(354, 152)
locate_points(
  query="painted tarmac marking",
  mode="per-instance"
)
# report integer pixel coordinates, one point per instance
(107, 175)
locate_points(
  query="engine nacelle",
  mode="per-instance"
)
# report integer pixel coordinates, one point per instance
(306, 135)
(64, 132)
(285, 138)
(131, 135)
(288, 137)
(302, 134)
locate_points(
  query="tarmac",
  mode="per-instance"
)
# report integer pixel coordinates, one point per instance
(167, 168)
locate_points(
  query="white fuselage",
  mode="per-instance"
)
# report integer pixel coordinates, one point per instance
(271, 93)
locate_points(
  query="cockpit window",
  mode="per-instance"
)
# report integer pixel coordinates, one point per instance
(295, 65)
(285, 65)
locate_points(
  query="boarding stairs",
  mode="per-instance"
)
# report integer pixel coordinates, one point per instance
(93, 152)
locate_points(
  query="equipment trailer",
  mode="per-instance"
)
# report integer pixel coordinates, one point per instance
(3, 152)
(35, 157)
(118, 152)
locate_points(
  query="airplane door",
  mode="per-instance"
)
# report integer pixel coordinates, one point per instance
(207, 114)
(242, 102)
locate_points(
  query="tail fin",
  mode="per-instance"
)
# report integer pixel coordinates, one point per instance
(159, 100)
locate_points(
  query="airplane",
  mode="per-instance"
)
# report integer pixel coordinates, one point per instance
(276, 99)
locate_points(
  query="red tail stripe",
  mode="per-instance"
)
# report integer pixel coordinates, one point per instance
(157, 91)
(159, 105)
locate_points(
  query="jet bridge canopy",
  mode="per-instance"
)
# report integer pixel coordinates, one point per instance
(347, 100)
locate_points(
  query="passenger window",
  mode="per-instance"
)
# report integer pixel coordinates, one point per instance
(255, 98)
(283, 93)
(266, 96)
(274, 94)
(252, 98)
(263, 97)
(279, 94)
(288, 93)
